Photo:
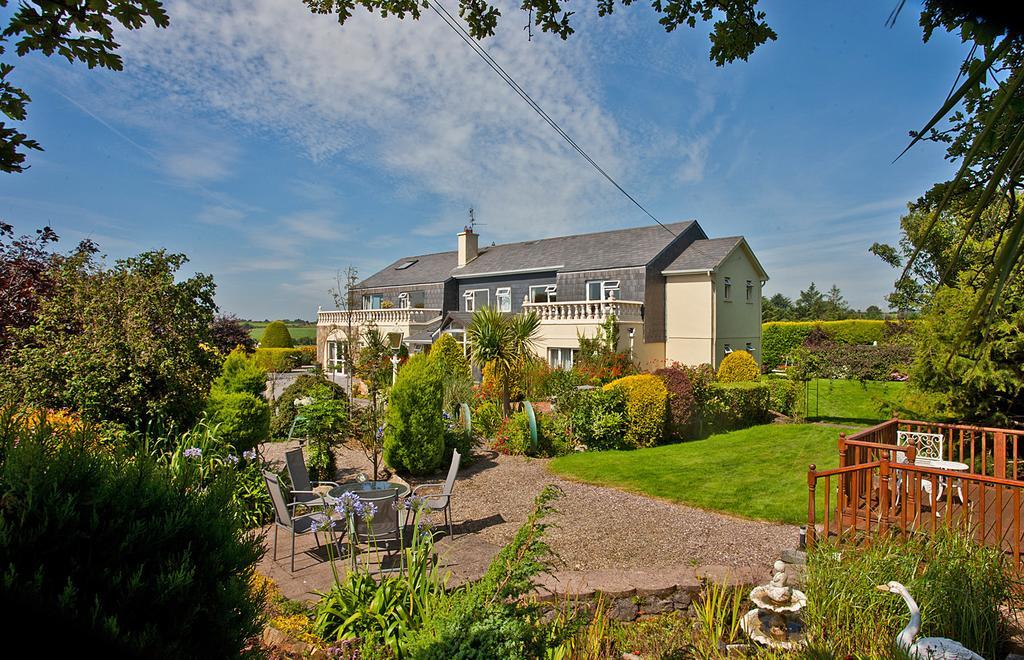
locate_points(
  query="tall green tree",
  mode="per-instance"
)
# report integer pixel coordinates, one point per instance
(77, 30)
(810, 306)
(777, 308)
(836, 307)
(504, 341)
(125, 344)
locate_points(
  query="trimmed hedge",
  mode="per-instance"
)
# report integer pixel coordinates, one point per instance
(780, 338)
(783, 394)
(738, 367)
(278, 360)
(732, 406)
(276, 335)
(646, 408)
(414, 434)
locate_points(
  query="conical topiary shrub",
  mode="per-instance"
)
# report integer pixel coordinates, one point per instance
(276, 335)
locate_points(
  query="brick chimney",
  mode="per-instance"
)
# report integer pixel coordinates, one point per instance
(468, 246)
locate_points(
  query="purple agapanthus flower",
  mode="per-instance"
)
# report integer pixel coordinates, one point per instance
(193, 452)
(249, 455)
(369, 511)
(348, 504)
(231, 458)
(380, 432)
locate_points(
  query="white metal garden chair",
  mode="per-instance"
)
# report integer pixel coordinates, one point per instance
(928, 445)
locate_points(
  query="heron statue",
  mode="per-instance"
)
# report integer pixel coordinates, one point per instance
(926, 648)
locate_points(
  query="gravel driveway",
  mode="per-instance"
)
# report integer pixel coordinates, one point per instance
(595, 527)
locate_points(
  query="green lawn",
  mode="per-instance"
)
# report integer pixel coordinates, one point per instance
(256, 329)
(760, 472)
(850, 401)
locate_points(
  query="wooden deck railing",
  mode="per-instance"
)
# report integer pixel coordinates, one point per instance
(989, 451)
(858, 502)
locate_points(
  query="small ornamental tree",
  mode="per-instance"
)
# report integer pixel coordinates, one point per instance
(738, 367)
(276, 335)
(682, 404)
(414, 432)
(240, 373)
(227, 333)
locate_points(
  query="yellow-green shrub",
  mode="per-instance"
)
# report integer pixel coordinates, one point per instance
(278, 360)
(646, 408)
(738, 367)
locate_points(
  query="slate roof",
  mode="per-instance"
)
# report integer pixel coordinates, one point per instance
(707, 254)
(428, 269)
(618, 248)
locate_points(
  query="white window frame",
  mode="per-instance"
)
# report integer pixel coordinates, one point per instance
(750, 347)
(727, 288)
(503, 298)
(562, 358)
(750, 291)
(470, 297)
(368, 300)
(403, 300)
(548, 293)
(727, 349)
(607, 286)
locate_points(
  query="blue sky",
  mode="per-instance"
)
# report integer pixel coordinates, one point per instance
(274, 147)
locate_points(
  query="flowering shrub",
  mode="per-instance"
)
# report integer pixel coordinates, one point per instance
(646, 408)
(513, 435)
(490, 385)
(832, 360)
(486, 419)
(682, 405)
(738, 367)
(597, 419)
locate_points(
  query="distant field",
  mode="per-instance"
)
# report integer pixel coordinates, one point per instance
(307, 331)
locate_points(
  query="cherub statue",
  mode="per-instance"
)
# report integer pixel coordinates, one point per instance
(778, 591)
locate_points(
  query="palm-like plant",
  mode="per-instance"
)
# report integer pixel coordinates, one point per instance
(504, 341)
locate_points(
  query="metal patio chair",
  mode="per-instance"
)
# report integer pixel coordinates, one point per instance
(302, 488)
(284, 517)
(442, 501)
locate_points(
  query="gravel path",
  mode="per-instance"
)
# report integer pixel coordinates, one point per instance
(595, 527)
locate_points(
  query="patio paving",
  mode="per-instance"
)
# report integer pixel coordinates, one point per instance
(594, 529)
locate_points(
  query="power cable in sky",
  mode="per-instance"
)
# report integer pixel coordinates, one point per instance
(455, 25)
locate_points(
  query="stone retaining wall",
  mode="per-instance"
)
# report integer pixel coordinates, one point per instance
(633, 594)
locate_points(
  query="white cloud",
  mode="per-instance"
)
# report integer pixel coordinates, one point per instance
(409, 98)
(198, 162)
(221, 216)
(318, 225)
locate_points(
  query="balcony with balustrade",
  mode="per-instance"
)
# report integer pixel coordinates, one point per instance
(586, 311)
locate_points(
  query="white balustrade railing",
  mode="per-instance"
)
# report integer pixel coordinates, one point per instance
(390, 316)
(585, 311)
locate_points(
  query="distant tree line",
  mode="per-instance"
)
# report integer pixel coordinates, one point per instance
(813, 305)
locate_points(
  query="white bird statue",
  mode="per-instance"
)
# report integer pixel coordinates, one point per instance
(926, 648)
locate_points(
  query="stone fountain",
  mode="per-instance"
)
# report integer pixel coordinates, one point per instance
(775, 622)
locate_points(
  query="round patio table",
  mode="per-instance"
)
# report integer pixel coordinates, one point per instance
(952, 466)
(368, 488)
